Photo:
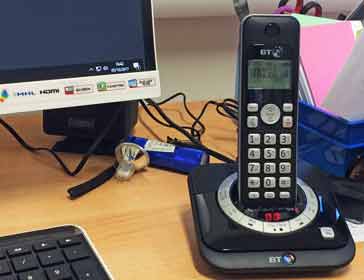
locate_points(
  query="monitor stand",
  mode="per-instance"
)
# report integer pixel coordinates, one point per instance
(82, 125)
(81, 146)
(313, 236)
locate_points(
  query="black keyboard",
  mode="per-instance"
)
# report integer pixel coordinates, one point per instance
(63, 253)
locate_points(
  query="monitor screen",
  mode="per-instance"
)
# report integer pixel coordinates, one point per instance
(71, 53)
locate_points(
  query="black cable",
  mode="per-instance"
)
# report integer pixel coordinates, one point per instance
(195, 132)
(84, 159)
(173, 125)
(228, 108)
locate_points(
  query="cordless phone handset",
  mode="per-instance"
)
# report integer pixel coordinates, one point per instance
(268, 111)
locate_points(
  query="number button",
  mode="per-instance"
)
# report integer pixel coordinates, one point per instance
(254, 153)
(270, 153)
(252, 122)
(269, 182)
(287, 122)
(254, 195)
(254, 168)
(285, 154)
(253, 107)
(285, 168)
(285, 139)
(253, 182)
(285, 182)
(254, 139)
(270, 139)
(269, 168)
(288, 107)
(269, 195)
(270, 114)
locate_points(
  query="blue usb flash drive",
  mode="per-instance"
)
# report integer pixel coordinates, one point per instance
(171, 157)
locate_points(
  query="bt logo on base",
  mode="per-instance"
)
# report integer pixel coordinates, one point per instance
(287, 259)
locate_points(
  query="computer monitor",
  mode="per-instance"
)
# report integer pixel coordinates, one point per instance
(72, 53)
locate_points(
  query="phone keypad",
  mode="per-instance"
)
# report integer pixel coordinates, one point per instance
(288, 107)
(285, 139)
(285, 182)
(254, 195)
(254, 183)
(270, 153)
(269, 182)
(254, 139)
(270, 114)
(285, 153)
(270, 139)
(254, 168)
(287, 122)
(253, 108)
(254, 154)
(269, 195)
(252, 122)
(270, 168)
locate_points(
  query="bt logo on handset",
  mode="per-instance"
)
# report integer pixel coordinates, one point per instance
(277, 52)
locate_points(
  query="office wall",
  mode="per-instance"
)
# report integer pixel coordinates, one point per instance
(208, 8)
(197, 56)
(197, 42)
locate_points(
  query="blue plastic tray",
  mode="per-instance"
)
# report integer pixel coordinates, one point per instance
(326, 153)
(336, 128)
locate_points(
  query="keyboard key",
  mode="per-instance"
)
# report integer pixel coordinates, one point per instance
(253, 195)
(59, 272)
(253, 182)
(285, 182)
(270, 153)
(4, 268)
(288, 107)
(253, 107)
(270, 139)
(70, 241)
(269, 168)
(49, 258)
(18, 250)
(254, 153)
(252, 122)
(2, 255)
(44, 246)
(254, 139)
(32, 275)
(24, 263)
(254, 168)
(269, 182)
(285, 139)
(86, 270)
(76, 253)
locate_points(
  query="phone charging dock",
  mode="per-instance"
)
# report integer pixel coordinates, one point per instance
(313, 236)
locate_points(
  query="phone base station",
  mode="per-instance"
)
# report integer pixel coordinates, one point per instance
(312, 236)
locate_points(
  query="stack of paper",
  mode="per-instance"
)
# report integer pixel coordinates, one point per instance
(346, 98)
(326, 46)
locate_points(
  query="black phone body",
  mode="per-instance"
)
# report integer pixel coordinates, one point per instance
(268, 111)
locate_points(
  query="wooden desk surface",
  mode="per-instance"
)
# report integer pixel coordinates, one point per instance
(142, 228)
